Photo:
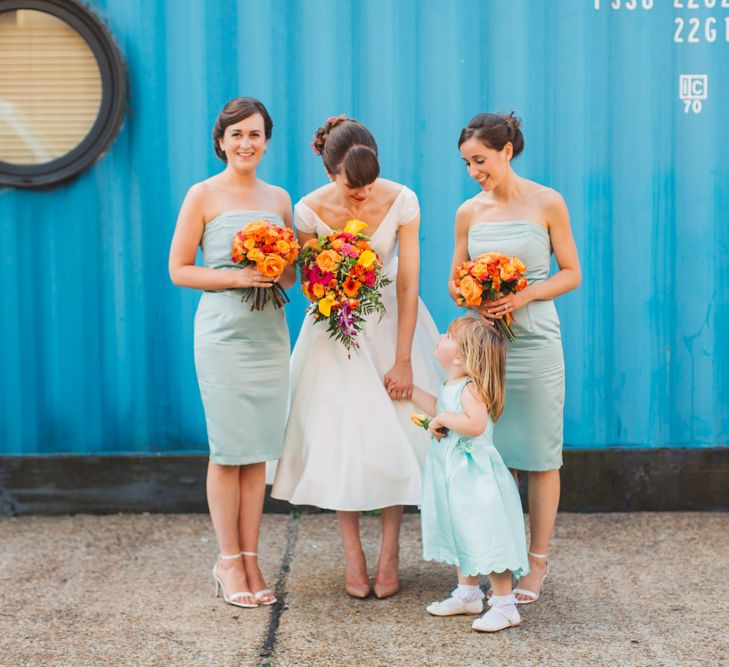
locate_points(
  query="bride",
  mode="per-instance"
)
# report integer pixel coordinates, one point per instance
(348, 446)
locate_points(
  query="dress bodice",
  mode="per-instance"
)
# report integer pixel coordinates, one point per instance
(449, 400)
(218, 235)
(531, 243)
(384, 239)
(524, 239)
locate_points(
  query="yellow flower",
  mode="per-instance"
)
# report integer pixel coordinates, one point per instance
(325, 305)
(367, 258)
(419, 419)
(355, 226)
(256, 255)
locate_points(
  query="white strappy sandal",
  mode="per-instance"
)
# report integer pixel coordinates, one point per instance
(264, 591)
(455, 605)
(231, 599)
(533, 597)
(497, 618)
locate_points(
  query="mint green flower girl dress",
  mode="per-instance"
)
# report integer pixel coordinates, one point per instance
(471, 511)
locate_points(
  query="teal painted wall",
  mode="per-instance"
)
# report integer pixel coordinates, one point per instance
(96, 343)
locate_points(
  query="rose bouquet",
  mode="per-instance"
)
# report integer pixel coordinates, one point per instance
(271, 248)
(343, 278)
(488, 277)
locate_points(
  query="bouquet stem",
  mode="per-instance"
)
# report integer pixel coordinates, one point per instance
(262, 295)
(505, 329)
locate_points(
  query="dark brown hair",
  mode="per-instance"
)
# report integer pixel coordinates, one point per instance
(494, 130)
(347, 146)
(236, 110)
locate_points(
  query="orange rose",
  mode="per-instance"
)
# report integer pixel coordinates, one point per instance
(271, 266)
(508, 271)
(255, 255)
(284, 247)
(318, 290)
(255, 227)
(328, 261)
(479, 270)
(471, 291)
(312, 243)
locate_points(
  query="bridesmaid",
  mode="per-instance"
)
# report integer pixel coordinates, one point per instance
(241, 356)
(520, 217)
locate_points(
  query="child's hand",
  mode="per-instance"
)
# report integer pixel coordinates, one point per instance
(437, 430)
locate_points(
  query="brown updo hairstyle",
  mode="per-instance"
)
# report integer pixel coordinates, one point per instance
(347, 146)
(494, 130)
(234, 111)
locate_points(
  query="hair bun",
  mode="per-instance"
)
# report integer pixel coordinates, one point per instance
(495, 130)
(320, 136)
(513, 124)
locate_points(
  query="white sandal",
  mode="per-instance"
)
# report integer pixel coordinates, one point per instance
(264, 591)
(533, 597)
(231, 599)
(455, 606)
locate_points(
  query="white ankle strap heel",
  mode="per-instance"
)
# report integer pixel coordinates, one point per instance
(231, 599)
(264, 592)
(531, 595)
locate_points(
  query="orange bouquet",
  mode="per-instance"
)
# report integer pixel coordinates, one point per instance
(488, 277)
(271, 248)
(343, 278)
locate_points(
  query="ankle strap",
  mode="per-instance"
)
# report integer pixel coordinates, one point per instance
(533, 555)
(248, 553)
(230, 556)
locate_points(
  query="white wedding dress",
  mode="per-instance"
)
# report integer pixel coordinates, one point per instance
(348, 446)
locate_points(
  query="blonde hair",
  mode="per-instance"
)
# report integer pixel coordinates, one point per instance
(483, 353)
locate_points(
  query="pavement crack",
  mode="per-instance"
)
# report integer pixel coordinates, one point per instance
(277, 609)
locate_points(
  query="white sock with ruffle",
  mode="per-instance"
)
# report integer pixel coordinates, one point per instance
(466, 593)
(506, 603)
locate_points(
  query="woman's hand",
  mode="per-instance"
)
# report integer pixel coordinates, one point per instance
(506, 304)
(250, 276)
(436, 429)
(399, 381)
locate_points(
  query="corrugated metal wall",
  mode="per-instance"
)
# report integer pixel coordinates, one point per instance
(96, 344)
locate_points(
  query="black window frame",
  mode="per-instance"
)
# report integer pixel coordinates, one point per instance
(111, 109)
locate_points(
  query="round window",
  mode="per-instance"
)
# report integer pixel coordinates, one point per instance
(62, 91)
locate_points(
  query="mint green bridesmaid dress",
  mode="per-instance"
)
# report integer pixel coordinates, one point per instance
(471, 514)
(529, 433)
(241, 358)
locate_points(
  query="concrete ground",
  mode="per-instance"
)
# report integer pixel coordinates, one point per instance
(625, 589)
